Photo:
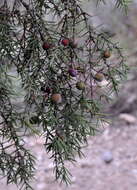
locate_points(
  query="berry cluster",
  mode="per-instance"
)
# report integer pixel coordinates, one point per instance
(80, 85)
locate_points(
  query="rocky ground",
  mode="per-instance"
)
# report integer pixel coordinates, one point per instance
(110, 161)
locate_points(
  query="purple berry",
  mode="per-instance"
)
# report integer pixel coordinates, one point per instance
(72, 72)
(42, 88)
(48, 90)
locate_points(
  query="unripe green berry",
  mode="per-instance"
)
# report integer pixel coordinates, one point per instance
(80, 85)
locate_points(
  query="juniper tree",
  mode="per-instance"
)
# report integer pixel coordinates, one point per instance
(62, 60)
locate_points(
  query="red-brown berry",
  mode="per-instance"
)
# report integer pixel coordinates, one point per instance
(56, 98)
(73, 44)
(99, 77)
(65, 42)
(106, 54)
(46, 45)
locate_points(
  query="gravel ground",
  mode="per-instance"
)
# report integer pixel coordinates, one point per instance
(94, 171)
(110, 160)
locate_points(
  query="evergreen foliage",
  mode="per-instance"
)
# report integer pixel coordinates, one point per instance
(62, 61)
